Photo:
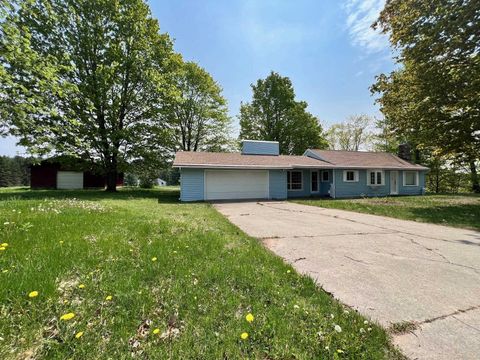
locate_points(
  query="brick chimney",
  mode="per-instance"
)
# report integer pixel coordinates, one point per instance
(405, 152)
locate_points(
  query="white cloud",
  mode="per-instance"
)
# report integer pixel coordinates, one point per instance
(361, 14)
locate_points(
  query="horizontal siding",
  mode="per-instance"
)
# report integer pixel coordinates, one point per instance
(260, 148)
(191, 184)
(305, 186)
(361, 189)
(278, 184)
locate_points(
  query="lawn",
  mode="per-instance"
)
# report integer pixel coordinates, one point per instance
(453, 210)
(149, 277)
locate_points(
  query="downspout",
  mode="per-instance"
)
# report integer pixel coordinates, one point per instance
(334, 186)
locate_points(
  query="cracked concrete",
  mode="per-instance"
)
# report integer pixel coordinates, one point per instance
(390, 270)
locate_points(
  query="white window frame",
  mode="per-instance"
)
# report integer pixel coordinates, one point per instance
(325, 171)
(355, 176)
(417, 181)
(318, 181)
(375, 171)
(289, 174)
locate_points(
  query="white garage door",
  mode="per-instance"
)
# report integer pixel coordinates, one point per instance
(69, 180)
(236, 184)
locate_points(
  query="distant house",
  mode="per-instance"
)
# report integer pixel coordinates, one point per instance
(259, 172)
(67, 173)
(161, 182)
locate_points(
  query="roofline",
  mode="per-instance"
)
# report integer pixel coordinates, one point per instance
(295, 166)
(261, 141)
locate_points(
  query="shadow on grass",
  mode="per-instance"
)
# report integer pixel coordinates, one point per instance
(164, 195)
(464, 215)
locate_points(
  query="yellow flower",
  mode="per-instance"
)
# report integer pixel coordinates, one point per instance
(79, 335)
(67, 317)
(108, 298)
(81, 286)
(4, 245)
(156, 331)
(61, 242)
(288, 271)
(33, 294)
(5, 271)
(249, 317)
(3, 248)
(244, 336)
(154, 258)
(340, 351)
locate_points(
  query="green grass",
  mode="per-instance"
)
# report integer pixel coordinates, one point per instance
(207, 277)
(453, 210)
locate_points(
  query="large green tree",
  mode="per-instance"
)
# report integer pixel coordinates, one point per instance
(198, 116)
(432, 98)
(86, 78)
(275, 115)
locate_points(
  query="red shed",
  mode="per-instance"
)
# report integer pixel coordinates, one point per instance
(68, 173)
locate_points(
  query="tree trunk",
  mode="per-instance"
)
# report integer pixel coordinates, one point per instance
(474, 177)
(112, 174)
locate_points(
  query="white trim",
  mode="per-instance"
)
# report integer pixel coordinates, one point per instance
(355, 176)
(417, 180)
(301, 173)
(318, 181)
(397, 177)
(333, 185)
(268, 185)
(375, 171)
(213, 170)
(328, 172)
(260, 141)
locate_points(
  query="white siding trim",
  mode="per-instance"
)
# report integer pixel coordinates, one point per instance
(375, 171)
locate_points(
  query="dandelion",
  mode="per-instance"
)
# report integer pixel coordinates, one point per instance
(156, 331)
(249, 317)
(81, 286)
(154, 258)
(3, 248)
(340, 351)
(5, 271)
(108, 298)
(362, 331)
(68, 316)
(288, 271)
(369, 329)
(338, 328)
(4, 245)
(244, 336)
(79, 334)
(296, 306)
(365, 322)
(61, 242)
(33, 294)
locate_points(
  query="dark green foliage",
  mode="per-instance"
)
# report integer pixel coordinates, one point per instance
(431, 100)
(275, 115)
(14, 171)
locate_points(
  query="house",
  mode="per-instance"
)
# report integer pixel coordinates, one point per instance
(259, 172)
(67, 173)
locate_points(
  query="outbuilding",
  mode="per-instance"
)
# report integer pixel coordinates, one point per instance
(67, 173)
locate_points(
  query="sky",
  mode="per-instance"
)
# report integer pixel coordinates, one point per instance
(326, 48)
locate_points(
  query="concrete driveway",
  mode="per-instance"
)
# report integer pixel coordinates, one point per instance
(390, 270)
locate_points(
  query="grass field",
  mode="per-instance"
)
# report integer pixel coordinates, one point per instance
(148, 277)
(452, 210)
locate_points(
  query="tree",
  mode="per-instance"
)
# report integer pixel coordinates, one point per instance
(351, 135)
(432, 98)
(198, 115)
(85, 78)
(275, 115)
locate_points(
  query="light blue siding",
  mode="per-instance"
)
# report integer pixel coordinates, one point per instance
(250, 147)
(191, 184)
(325, 185)
(412, 190)
(278, 184)
(360, 188)
(305, 186)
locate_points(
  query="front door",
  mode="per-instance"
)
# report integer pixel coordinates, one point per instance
(393, 182)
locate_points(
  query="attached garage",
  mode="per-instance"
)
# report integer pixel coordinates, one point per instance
(236, 184)
(69, 180)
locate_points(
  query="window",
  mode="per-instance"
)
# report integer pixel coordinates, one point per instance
(410, 178)
(375, 177)
(325, 176)
(350, 175)
(294, 180)
(314, 181)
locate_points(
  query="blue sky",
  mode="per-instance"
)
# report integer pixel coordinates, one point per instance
(326, 48)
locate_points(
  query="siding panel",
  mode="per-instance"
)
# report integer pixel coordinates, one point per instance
(260, 147)
(360, 188)
(278, 184)
(191, 184)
